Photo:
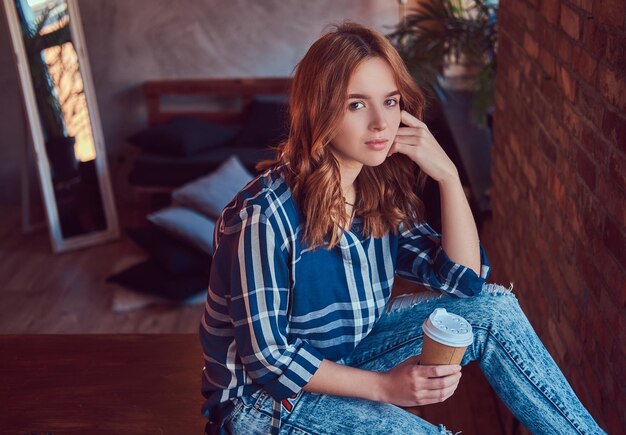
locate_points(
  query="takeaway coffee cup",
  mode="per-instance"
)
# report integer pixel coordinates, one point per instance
(446, 336)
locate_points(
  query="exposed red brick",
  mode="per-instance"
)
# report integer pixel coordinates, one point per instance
(592, 383)
(615, 52)
(593, 212)
(517, 11)
(588, 272)
(611, 85)
(576, 381)
(564, 48)
(614, 127)
(572, 120)
(594, 37)
(619, 360)
(585, 65)
(614, 423)
(617, 168)
(556, 187)
(530, 46)
(609, 196)
(561, 137)
(586, 168)
(570, 22)
(550, 90)
(572, 278)
(555, 335)
(513, 74)
(590, 104)
(610, 313)
(559, 189)
(550, 9)
(531, 19)
(593, 143)
(610, 390)
(569, 334)
(615, 240)
(548, 36)
(499, 99)
(610, 12)
(596, 326)
(610, 271)
(586, 5)
(575, 221)
(566, 82)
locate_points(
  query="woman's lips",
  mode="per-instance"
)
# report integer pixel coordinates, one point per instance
(377, 144)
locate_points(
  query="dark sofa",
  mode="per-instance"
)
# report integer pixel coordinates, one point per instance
(242, 117)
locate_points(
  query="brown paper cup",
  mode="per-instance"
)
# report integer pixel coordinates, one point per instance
(434, 353)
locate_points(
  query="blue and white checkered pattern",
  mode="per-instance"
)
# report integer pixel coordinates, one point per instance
(275, 308)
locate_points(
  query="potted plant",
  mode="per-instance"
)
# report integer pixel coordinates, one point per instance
(440, 33)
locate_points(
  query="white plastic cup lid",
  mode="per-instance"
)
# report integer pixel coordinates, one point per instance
(448, 328)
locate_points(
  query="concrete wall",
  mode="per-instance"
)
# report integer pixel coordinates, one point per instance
(129, 42)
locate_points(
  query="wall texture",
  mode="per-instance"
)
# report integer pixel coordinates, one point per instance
(559, 186)
(129, 42)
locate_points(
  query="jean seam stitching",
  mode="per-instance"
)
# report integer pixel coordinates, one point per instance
(532, 382)
(234, 412)
(284, 422)
(387, 350)
(298, 428)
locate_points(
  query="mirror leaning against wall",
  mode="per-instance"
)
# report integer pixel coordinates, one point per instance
(64, 122)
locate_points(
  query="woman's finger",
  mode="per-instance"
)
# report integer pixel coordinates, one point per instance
(407, 140)
(443, 382)
(410, 120)
(411, 131)
(401, 148)
(436, 396)
(420, 134)
(438, 371)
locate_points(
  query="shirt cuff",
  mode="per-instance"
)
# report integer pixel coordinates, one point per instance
(460, 280)
(305, 362)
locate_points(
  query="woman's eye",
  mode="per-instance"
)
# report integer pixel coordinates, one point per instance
(391, 102)
(356, 105)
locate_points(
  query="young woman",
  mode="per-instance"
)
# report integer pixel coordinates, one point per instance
(299, 333)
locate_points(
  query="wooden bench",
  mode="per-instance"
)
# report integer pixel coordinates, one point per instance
(150, 384)
(101, 384)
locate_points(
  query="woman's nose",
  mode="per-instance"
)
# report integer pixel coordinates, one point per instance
(378, 121)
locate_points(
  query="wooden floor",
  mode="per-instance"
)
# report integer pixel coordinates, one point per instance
(42, 293)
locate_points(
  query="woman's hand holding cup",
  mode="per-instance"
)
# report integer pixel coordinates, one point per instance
(411, 384)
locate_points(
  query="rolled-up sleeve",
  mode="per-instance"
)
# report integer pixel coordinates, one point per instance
(422, 259)
(258, 303)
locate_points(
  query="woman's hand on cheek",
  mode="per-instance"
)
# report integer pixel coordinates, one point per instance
(417, 143)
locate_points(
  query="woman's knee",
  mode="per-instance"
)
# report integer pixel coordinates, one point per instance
(498, 302)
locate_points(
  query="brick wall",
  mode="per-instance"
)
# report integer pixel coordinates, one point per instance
(559, 202)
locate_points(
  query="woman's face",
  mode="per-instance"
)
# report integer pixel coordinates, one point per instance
(371, 117)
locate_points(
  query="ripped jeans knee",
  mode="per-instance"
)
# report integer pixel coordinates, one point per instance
(406, 301)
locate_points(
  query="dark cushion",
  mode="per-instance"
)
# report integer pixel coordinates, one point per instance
(266, 124)
(183, 136)
(188, 226)
(158, 170)
(169, 253)
(150, 278)
(210, 194)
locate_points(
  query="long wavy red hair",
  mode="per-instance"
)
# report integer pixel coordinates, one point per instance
(386, 194)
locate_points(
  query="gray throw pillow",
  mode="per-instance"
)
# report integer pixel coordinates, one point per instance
(186, 225)
(210, 194)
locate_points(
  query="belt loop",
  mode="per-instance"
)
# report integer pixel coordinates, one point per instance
(258, 401)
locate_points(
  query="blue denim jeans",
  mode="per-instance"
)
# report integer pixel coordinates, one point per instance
(507, 349)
